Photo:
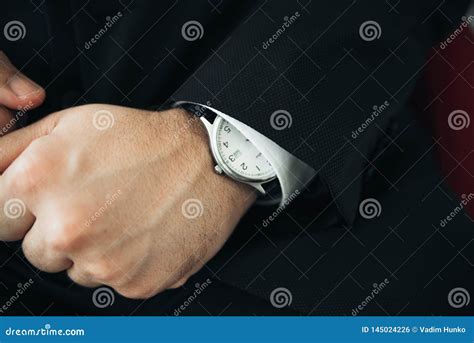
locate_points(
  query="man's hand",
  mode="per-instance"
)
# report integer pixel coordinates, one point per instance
(17, 92)
(117, 196)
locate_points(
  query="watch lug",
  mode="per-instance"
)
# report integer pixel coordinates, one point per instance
(208, 125)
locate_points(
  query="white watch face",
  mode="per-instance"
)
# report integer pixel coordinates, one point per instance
(239, 155)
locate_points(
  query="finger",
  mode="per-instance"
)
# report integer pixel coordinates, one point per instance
(81, 277)
(43, 249)
(13, 144)
(16, 219)
(20, 184)
(7, 121)
(17, 90)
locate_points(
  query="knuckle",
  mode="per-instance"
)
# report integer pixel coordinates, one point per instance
(59, 243)
(37, 148)
(25, 177)
(21, 184)
(105, 271)
(80, 277)
(29, 170)
(63, 240)
(31, 254)
(67, 232)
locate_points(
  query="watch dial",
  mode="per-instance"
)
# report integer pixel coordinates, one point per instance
(240, 155)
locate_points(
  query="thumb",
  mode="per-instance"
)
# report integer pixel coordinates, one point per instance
(13, 144)
(7, 123)
(17, 90)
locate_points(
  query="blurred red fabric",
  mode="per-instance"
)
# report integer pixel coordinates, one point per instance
(445, 96)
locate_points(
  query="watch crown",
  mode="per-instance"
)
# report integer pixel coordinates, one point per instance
(218, 169)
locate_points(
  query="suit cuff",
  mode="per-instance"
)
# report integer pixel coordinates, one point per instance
(292, 173)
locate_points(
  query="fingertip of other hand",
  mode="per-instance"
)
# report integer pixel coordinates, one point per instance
(20, 93)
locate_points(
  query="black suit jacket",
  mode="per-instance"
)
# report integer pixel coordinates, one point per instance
(248, 63)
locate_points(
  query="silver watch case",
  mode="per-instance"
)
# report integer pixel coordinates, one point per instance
(221, 167)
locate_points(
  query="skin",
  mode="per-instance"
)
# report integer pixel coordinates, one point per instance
(16, 91)
(114, 195)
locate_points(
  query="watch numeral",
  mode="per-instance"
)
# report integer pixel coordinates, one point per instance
(232, 158)
(226, 144)
(227, 129)
(257, 168)
(244, 166)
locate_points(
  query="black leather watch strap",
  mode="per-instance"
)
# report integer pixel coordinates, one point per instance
(198, 110)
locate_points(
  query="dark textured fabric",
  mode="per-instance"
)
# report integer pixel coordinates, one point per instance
(442, 80)
(56, 295)
(328, 79)
(320, 86)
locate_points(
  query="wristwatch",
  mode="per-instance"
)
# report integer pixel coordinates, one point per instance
(235, 155)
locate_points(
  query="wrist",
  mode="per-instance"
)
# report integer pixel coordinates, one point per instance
(188, 132)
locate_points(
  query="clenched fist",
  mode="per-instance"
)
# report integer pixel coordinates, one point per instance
(117, 196)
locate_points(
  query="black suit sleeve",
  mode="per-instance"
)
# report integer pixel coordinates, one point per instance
(315, 60)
